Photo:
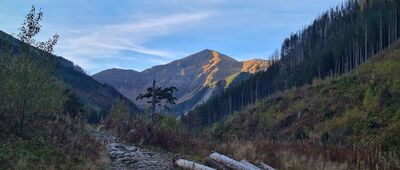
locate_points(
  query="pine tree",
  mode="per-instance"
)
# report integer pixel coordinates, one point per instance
(157, 95)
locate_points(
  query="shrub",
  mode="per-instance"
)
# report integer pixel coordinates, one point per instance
(118, 113)
(370, 98)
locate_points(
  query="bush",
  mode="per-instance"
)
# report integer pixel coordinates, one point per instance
(370, 98)
(119, 112)
(30, 95)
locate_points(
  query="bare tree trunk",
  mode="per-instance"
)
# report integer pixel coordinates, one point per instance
(380, 33)
(153, 101)
(389, 31)
(396, 22)
(365, 43)
(23, 107)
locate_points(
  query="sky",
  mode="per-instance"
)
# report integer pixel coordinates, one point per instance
(138, 34)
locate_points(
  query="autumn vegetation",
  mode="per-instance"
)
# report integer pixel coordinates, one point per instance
(42, 123)
(330, 100)
(41, 127)
(345, 122)
(338, 41)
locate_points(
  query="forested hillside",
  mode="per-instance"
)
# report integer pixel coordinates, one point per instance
(338, 41)
(42, 120)
(359, 110)
(96, 97)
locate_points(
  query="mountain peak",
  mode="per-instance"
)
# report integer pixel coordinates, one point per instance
(116, 70)
(205, 56)
(207, 50)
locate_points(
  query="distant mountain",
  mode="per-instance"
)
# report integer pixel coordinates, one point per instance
(96, 97)
(198, 77)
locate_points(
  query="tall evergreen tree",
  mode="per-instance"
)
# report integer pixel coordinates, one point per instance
(158, 96)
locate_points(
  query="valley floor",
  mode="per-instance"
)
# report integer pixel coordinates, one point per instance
(125, 156)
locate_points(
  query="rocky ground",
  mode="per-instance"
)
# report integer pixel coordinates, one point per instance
(125, 156)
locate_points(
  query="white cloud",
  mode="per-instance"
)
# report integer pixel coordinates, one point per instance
(108, 41)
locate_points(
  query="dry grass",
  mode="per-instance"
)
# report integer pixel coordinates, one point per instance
(103, 162)
(303, 154)
(308, 155)
(66, 144)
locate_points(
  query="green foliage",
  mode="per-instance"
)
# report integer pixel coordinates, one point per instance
(217, 130)
(301, 134)
(51, 152)
(361, 107)
(96, 98)
(231, 78)
(40, 125)
(236, 78)
(12, 155)
(119, 112)
(157, 95)
(169, 122)
(39, 118)
(265, 120)
(370, 97)
(29, 94)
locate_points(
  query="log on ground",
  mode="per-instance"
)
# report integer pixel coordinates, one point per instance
(186, 164)
(231, 163)
(212, 163)
(265, 166)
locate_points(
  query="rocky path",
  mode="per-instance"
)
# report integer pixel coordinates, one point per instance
(130, 157)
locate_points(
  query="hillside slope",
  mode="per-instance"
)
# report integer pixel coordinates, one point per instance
(359, 108)
(338, 41)
(198, 77)
(97, 97)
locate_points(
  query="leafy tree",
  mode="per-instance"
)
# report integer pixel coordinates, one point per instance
(29, 94)
(73, 106)
(156, 95)
(119, 111)
(31, 27)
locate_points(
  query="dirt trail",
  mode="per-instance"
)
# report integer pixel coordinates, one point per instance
(131, 157)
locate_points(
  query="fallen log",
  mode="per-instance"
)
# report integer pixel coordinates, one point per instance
(185, 164)
(100, 127)
(265, 166)
(231, 163)
(249, 164)
(212, 163)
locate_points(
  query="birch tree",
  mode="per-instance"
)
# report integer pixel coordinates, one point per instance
(31, 27)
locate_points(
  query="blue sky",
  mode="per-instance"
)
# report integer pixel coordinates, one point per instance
(133, 34)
